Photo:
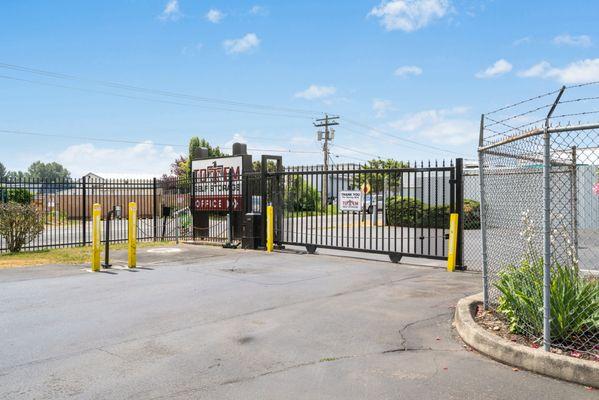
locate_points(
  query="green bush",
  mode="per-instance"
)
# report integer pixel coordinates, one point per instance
(411, 212)
(471, 214)
(21, 196)
(574, 300)
(301, 196)
(19, 224)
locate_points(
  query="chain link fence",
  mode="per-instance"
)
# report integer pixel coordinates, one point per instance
(472, 234)
(540, 219)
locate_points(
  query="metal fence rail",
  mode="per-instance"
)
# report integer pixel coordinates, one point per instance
(65, 208)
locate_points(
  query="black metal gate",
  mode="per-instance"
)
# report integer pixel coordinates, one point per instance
(399, 212)
(395, 211)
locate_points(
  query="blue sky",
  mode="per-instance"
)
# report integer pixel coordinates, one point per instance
(423, 71)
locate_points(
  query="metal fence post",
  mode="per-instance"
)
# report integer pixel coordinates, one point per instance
(483, 215)
(83, 211)
(154, 208)
(547, 226)
(459, 200)
(574, 201)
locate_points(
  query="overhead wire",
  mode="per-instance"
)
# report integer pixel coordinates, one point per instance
(125, 141)
(275, 111)
(160, 92)
(380, 131)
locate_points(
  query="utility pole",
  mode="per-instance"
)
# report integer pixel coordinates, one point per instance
(325, 136)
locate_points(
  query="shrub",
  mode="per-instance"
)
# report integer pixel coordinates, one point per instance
(301, 196)
(574, 300)
(21, 196)
(19, 224)
(411, 212)
(471, 214)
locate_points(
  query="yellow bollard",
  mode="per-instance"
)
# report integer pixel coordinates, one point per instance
(270, 228)
(453, 242)
(132, 234)
(96, 236)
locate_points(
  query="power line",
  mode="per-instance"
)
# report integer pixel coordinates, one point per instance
(357, 151)
(151, 99)
(125, 141)
(160, 92)
(414, 142)
(275, 111)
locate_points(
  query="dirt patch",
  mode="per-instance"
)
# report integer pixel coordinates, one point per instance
(495, 323)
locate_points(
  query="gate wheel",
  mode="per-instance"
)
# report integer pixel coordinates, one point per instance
(395, 257)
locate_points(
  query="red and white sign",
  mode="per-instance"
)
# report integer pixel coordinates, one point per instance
(350, 200)
(216, 203)
(211, 189)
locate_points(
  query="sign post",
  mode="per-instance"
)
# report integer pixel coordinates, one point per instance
(96, 226)
(132, 235)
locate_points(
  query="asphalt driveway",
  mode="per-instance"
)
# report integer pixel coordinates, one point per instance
(212, 323)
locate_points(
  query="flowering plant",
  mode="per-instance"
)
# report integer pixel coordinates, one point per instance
(596, 188)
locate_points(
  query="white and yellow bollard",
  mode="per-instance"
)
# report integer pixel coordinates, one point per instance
(96, 236)
(453, 242)
(270, 228)
(132, 235)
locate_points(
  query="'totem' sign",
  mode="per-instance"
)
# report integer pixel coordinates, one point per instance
(350, 200)
(212, 185)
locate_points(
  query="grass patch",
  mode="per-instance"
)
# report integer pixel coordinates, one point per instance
(68, 256)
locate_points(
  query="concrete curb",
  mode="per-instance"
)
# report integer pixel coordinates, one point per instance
(536, 360)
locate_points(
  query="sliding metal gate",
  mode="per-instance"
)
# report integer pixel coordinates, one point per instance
(403, 211)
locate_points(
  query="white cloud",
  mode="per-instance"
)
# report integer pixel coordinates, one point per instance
(380, 107)
(315, 92)
(522, 40)
(259, 10)
(144, 159)
(408, 70)
(238, 137)
(215, 16)
(444, 126)
(499, 68)
(171, 11)
(582, 71)
(409, 15)
(577, 41)
(242, 45)
(536, 71)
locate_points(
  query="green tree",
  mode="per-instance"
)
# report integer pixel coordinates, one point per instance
(2, 171)
(381, 180)
(50, 172)
(16, 175)
(271, 166)
(182, 166)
